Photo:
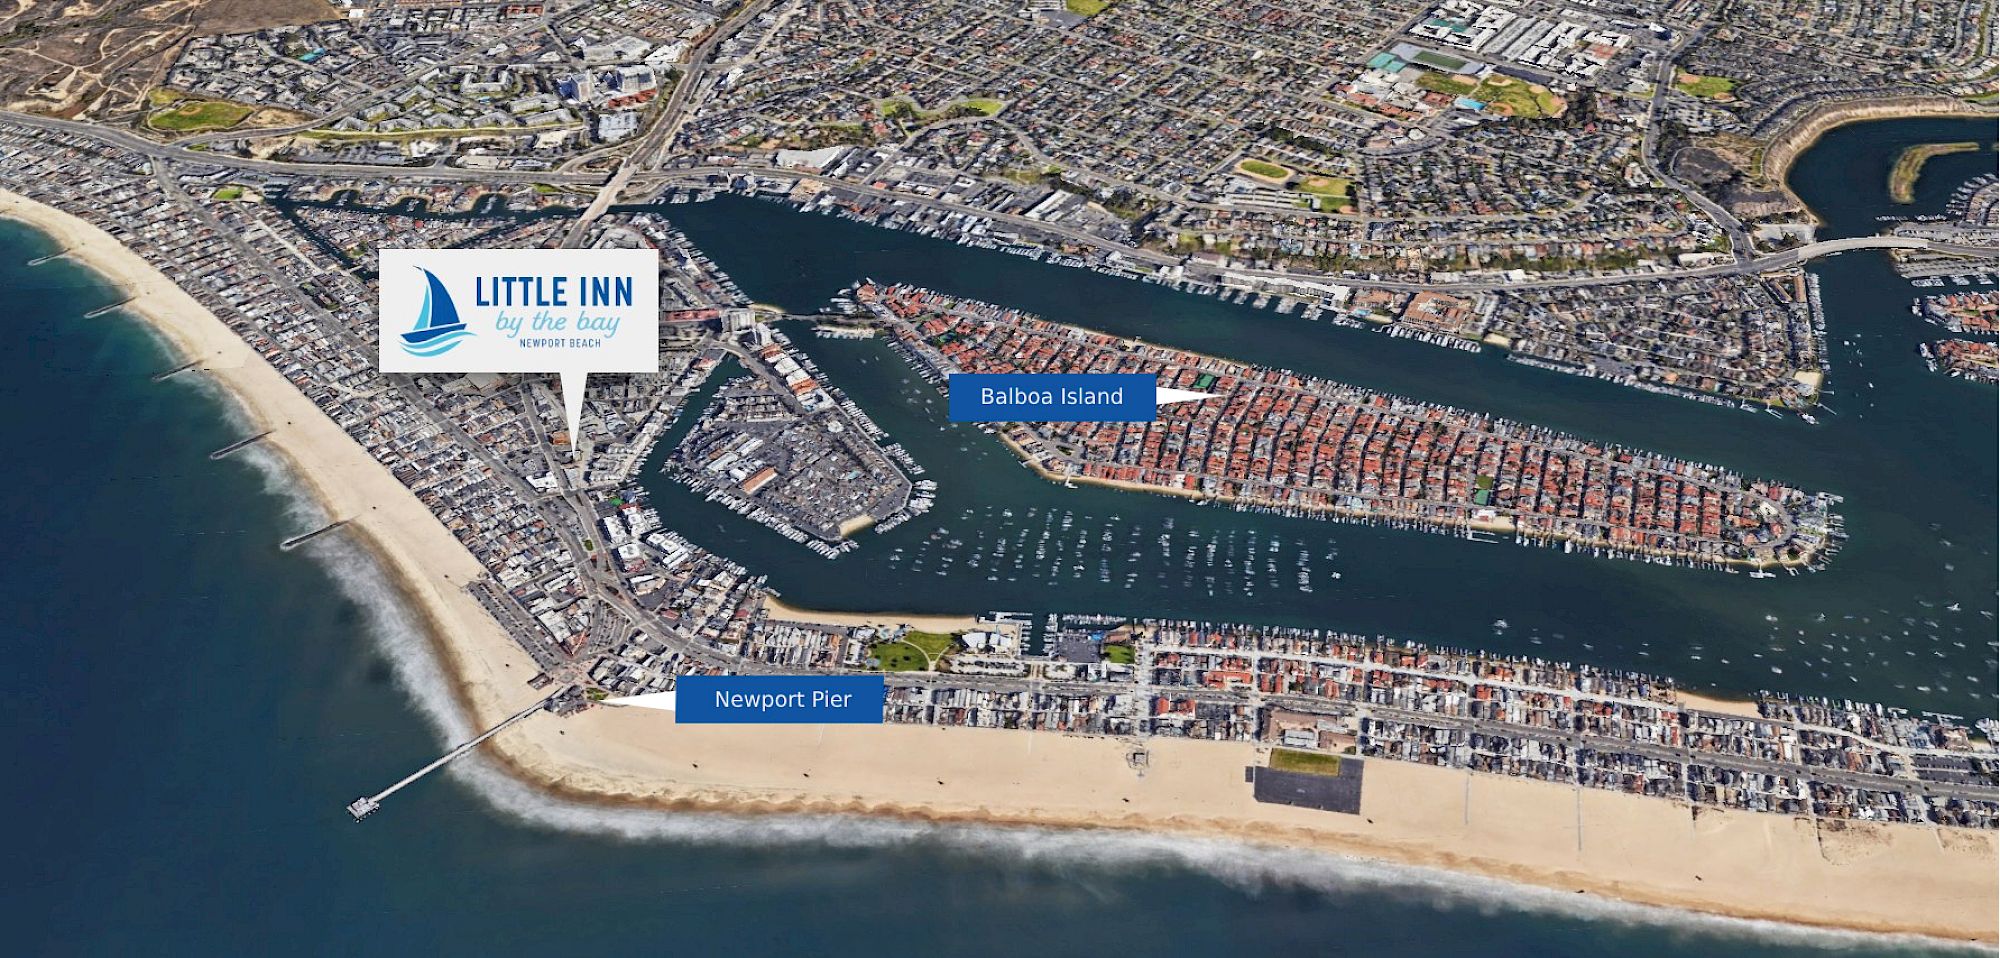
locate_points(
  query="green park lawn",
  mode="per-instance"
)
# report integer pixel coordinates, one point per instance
(1524, 99)
(934, 644)
(1710, 88)
(915, 652)
(899, 657)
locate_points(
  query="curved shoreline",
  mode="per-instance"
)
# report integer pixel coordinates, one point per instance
(1400, 824)
(1786, 148)
(1069, 782)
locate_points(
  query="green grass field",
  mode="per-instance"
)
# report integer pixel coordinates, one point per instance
(1525, 99)
(1503, 95)
(1440, 61)
(1445, 83)
(1710, 88)
(195, 116)
(1120, 653)
(914, 652)
(1270, 171)
(1086, 8)
(1312, 763)
(1332, 186)
(934, 644)
(228, 193)
(899, 657)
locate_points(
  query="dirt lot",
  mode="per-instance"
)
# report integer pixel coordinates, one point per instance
(97, 58)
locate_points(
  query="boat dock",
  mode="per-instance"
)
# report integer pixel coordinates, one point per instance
(238, 444)
(361, 808)
(296, 541)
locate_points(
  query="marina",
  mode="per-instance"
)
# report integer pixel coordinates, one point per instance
(1872, 624)
(1411, 289)
(349, 652)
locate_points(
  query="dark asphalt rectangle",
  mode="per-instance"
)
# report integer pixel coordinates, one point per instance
(1331, 793)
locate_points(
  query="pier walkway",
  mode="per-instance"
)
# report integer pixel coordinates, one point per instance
(361, 808)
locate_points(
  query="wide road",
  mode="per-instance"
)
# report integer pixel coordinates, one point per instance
(1740, 244)
(1761, 264)
(128, 140)
(648, 152)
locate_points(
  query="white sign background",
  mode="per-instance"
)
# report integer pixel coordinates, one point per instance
(521, 311)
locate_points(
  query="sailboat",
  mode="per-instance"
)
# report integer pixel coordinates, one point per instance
(438, 326)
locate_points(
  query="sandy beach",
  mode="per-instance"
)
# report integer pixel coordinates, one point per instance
(928, 623)
(1866, 877)
(1863, 877)
(420, 555)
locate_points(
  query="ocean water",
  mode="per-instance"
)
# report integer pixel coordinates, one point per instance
(188, 709)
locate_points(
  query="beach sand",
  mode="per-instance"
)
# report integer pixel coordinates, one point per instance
(779, 611)
(420, 555)
(1867, 877)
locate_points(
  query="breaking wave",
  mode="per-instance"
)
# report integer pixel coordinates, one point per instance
(400, 635)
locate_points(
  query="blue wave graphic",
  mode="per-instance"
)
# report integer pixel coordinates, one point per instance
(438, 346)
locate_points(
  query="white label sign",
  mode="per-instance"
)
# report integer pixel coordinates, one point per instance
(566, 311)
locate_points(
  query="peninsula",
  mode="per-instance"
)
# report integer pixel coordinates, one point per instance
(1594, 191)
(1910, 165)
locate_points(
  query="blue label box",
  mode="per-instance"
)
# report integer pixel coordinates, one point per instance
(780, 699)
(1052, 397)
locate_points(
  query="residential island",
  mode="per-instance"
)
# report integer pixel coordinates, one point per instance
(1598, 190)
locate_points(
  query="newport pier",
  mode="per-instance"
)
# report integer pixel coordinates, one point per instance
(59, 254)
(361, 808)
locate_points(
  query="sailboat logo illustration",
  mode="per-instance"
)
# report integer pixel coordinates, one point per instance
(438, 326)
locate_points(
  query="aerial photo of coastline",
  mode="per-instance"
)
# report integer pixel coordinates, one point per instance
(1431, 477)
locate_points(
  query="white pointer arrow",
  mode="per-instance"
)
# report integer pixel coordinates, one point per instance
(1163, 395)
(664, 701)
